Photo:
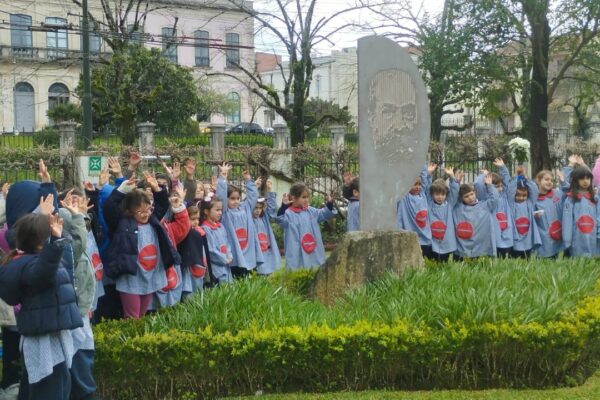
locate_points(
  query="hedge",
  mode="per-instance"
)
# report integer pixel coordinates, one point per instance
(359, 356)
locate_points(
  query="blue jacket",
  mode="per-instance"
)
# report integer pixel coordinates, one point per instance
(122, 254)
(44, 287)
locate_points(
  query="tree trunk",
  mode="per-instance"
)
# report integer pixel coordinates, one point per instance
(537, 124)
(436, 119)
(297, 125)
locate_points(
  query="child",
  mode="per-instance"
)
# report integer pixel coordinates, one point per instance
(412, 210)
(580, 215)
(474, 222)
(441, 201)
(548, 215)
(300, 223)
(211, 211)
(503, 228)
(352, 194)
(194, 255)
(35, 277)
(140, 250)
(522, 194)
(237, 219)
(266, 238)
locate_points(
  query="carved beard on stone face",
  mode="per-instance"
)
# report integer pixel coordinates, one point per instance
(392, 113)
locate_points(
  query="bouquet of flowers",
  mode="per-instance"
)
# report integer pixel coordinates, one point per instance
(519, 149)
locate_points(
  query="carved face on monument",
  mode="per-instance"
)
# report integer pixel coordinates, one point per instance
(392, 112)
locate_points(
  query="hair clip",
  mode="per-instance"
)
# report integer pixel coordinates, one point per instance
(261, 200)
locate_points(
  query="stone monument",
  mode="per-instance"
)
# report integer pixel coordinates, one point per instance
(394, 129)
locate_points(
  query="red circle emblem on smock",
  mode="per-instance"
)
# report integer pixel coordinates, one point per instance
(148, 257)
(421, 219)
(308, 243)
(555, 230)
(198, 271)
(438, 229)
(502, 220)
(97, 266)
(585, 224)
(242, 236)
(223, 248)
(464, 230)
(172, 279)
(522, 225)
(263, 241)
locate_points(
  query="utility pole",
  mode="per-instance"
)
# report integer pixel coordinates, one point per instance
(87, 85)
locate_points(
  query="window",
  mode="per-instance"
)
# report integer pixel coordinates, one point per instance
(169, 44)
(232, 52)
(20, 35)
(57, 94)
(201, 43)
(56, 39)
(24, 107)
(136, 34)
(95, 40)
(233, 117)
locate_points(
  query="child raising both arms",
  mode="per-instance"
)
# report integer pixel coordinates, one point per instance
(474, 221)
(548, 215)
(264, 211)
(211, 210)
(522, 194)
(441, 200)
(300, 223)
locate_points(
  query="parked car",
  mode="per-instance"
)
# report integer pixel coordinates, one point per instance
(246, 127)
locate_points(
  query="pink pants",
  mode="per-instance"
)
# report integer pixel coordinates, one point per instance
(135, 305)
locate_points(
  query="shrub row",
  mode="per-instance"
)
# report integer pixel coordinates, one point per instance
(358, 356)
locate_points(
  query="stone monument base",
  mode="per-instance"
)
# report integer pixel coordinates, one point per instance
(362, 257)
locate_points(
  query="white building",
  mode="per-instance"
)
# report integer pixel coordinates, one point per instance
(40, 52)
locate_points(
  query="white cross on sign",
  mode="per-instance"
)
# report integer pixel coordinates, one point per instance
(94, 166)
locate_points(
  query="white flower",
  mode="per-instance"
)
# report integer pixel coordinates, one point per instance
(519, 148)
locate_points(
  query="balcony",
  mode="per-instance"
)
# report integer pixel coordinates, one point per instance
(43, 54)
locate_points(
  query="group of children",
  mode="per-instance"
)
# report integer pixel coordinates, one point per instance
(121, 249)
(504, 216)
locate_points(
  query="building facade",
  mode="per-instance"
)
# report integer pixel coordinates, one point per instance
(40, 53)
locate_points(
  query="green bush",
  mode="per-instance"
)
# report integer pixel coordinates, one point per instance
(493, 323)
(47, 137)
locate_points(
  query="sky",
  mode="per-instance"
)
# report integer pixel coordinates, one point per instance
(347, 37)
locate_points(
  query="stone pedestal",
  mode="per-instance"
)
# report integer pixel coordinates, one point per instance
(217, 143)
(338, 133)
(363, 257)
(67, 138)
(281, 138)
(146, 132)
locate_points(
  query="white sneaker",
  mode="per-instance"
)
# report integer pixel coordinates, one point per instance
(10, 393)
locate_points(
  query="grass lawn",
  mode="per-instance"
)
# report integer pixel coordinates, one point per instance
(588, 391)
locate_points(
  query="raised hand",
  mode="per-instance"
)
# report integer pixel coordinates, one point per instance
(56, 225)
(47, 205)
(181, 192)
(89, 186)
(224, 169)
(246, 175)
(572, 160)
(459, 176)
(152, 182)
(450, 172)
(258, 182)
(560, 176)
(213, 182)
(431, 168)
(175, 201)
(43, 172)
(269, 185)
(83, 204)
(114, 167)
(103, 178)
(499, 162)
(488, 179)
(69, 203)
(175, 170)
(484, 171)
(520, 170)
(285, 199)
(190, 167)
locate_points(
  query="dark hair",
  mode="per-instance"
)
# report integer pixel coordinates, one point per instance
(207, 206)
(193, 210)
(354, 185)
(231, 189)
(522, 185)
(31, 232)
(465, 188)
(438, 187)
(496, 178)
(577, 174)
(297, 189)
(133, 200)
